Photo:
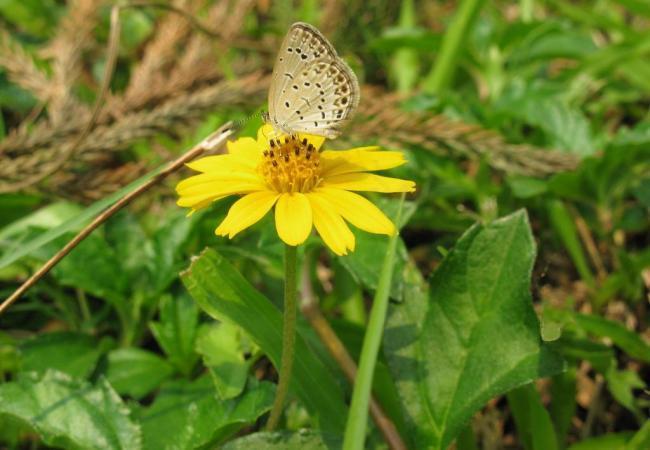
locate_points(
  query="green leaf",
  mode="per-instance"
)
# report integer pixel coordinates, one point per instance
(563, 403)
(612, 441)
(168, 241)
(575, 349)
(70, 414)
(626, 339)
(136, 372)
(534, 426)
(565, 126)
(176, 331)
(470, 337)
(75, 354)
(223, 293)
(285, 440)
(565, 228)
(220, 346)
(366, 261)
(49, 216)
(641, 440)
(76, 222)
(187, 415)
(129, 244)
(106, 279)
(622, 383)
(364, 264)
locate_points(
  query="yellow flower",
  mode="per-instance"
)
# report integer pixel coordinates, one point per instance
(306, 185)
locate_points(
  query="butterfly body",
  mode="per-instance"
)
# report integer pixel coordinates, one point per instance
(312, 90)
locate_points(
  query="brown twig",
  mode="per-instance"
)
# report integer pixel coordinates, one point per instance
(594, 408)
(310, 309)
(210, 143)
(589, 243)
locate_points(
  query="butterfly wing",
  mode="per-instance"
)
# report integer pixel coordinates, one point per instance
(312, 90)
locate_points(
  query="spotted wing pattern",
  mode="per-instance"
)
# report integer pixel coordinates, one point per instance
(312, 90)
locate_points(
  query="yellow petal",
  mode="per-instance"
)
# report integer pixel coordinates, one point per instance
(246, 211)
(358, 160)
(368, 182)
(200, 190)
(330, 226)
(197, 203)
(357, 210)
(208, 183)
(293, 218)
(224, 164)
(245, 149)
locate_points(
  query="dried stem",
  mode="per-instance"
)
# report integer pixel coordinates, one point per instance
(211, 143)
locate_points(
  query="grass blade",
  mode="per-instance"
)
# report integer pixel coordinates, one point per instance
(355, 429)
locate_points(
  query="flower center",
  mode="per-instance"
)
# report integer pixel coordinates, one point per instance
(291, 166)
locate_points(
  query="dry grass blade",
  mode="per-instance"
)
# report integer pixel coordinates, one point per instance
(65, 49)
(22, 70)
(158, 58)
(168, 118)
(380, 118)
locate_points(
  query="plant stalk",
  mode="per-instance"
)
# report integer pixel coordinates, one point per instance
(440, 77)
(288, 335)
(355, 429)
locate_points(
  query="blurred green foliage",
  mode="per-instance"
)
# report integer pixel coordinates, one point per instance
(129, 352)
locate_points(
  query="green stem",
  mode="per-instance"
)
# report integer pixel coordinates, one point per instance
(355, 429)
(441, 74)
(288, 336)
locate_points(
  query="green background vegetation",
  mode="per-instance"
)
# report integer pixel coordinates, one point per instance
(518, 310)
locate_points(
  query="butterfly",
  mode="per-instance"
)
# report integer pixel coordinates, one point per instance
(312, 89)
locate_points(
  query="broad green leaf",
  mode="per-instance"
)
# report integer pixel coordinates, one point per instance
(220, 346)
(176, 331)
(534, 426)
(285, 440)
(136, 372)
(223, 293)
(70, 414)
(129, 244)
(188, 415)
(106, 279)
(167, 244)
(470, 337)
(626, 339)
(75, 354)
